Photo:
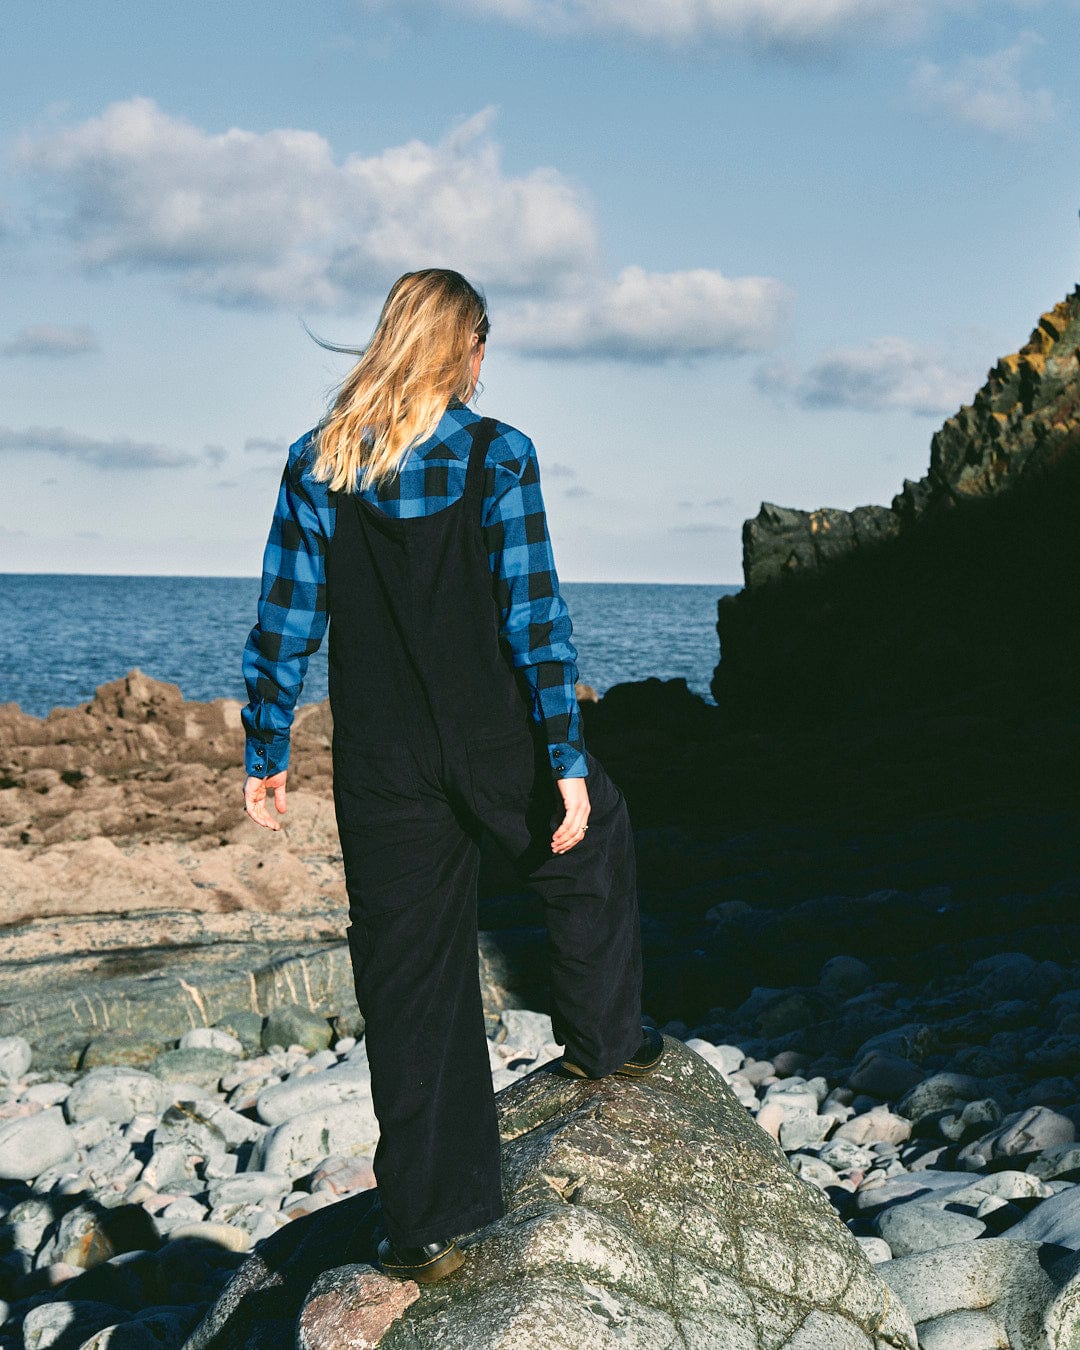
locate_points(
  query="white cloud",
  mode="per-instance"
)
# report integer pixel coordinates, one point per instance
(44, 339)
(886, 373)
(272, 218)
(654, 316)
(985, 91)
(794, 26)
(117, 453)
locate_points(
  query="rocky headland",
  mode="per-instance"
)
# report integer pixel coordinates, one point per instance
(966, 584)
(859, 878)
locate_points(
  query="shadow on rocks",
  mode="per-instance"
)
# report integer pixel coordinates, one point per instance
(260, 1305)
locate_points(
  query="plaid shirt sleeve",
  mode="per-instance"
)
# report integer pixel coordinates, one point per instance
(292, 617)
(534, 618)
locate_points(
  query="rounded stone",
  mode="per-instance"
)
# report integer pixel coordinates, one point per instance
(354, 1305)
(204, 1067)
(1056, 1220)
(245, 1025)
(300, 1143)
(220, 1234)
(116, 1093)
(922, 1227)
(297, 1026)
(845, 976)
(211, 1038)
(30, 1144)
(249, 1188)
(15, 1056)
(312, 1093)
(940, 1092)
(67, 1322)
(884, 1076)
(875, 1249)
(970, 1329)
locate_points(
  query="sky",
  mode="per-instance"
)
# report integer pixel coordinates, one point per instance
(734, 251)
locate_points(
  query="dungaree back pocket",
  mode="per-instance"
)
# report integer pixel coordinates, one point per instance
(381, 825)
(374, 783)
(508, 770)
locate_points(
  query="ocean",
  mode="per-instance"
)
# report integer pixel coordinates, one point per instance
(65, 635)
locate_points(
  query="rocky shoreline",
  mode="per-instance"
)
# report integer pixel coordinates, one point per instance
(198, 1072)
(130, 1196)
(859, 879)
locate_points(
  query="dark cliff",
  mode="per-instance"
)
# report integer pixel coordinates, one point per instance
(965, 587)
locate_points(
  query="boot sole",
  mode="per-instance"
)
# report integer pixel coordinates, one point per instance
(430, 1271)
(626, 1070)
(641, 1071)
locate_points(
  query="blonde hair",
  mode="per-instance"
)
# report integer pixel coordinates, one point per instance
(418, 359)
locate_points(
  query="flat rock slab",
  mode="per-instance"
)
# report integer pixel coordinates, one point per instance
(640, 1214)
(148, 978)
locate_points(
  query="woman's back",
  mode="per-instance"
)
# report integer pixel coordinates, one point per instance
(533, 618)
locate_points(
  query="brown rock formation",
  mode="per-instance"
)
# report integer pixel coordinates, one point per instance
(133, 801)
(135, 896)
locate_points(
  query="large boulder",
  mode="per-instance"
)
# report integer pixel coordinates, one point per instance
(640, 1213)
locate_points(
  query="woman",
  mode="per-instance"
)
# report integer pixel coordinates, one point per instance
(416, 527)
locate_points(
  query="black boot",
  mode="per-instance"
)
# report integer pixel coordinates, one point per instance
(424, 1264)
(646, 1059)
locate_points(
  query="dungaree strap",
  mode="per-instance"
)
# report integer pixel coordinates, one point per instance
(483, 433)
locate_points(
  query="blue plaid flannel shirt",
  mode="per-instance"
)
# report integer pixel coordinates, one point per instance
(534, 618)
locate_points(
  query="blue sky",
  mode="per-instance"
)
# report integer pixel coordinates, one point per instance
(735, 250)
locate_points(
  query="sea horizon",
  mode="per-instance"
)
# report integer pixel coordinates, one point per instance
(255, 576)
(74, 631)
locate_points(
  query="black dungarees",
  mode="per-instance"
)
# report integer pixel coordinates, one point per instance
(434, 740)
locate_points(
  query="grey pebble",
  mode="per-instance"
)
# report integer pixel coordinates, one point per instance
(875, 1249)
(210, 1038)
(30, 1144)
(15, 1056)
(117, 1094)
(920, 1227)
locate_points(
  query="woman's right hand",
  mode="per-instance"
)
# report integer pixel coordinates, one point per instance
(575, 795)
(255, 793)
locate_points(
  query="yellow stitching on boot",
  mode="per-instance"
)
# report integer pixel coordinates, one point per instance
(408, 1265)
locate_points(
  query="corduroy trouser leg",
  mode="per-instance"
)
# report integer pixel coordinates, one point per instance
(409, 821)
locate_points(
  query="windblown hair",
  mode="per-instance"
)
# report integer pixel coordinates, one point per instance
(418, 359)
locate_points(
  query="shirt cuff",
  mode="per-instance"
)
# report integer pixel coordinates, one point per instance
(567, 761)
(263, 759)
